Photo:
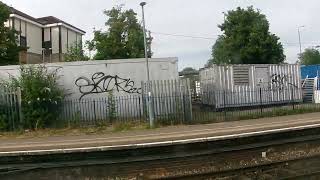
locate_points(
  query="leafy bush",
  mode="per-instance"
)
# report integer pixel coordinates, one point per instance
(41, 95)
(75, 53)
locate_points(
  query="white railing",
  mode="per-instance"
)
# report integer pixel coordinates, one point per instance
(315, 83)
(304, 82)
(316, 96)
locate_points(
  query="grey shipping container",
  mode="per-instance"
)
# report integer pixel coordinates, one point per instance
(250, 84)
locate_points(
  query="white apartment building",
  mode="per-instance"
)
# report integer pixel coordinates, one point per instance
(47, 39)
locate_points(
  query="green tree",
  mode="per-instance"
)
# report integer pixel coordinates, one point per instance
(191, 74)
(219, 53)
(188, 70)
(9, 49)
(310, 56)
(246, 39)
(123, 38)
(75, 53)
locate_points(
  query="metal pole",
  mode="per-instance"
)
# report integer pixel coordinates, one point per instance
(151, 118)
(299, 40)
(149, 43)
(43, 55)
(19, 102)
(145, 41)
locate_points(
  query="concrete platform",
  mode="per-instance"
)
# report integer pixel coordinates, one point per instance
(158, 137)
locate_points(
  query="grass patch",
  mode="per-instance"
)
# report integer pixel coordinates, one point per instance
(205, 117)
(199, 117)
(129, 125)
(76, 130)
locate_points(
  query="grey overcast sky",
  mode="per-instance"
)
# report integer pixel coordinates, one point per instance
(188, 17)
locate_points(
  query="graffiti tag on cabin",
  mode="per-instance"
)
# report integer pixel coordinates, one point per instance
(279, 82)
(101, 83)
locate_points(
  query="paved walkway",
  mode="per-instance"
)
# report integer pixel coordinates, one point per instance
(157, 137)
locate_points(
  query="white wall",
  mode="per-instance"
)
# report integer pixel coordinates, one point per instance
(134, 70)
(68, 38)
(55, 39)
(23, 27)
(72, 38)
(34, 38)
(79, 38)
(64, 38)
(46, 34)
(32, 32)
(20, 25)
(8, 23)
(16, 24)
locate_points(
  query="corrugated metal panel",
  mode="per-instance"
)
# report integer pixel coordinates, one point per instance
(244, 81)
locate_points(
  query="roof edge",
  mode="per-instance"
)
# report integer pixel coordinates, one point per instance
(32, 20)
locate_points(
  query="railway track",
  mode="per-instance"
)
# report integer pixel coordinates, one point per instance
(314, 175)
(187, 161)
(299, 168)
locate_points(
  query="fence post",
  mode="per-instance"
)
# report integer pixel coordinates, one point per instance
(19, 101)
(149, 102)
(94, 111)
(150, 105)
(140, 114)
(292, 98)
(261, 110)
(224, 104)
(187, 101)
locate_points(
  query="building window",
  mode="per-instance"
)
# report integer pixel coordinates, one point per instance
(46, 45)
(23, 41)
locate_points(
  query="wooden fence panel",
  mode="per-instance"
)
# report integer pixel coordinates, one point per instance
(10, 109)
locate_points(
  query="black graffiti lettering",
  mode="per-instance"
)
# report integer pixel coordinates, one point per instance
(279, 81)
(101, 83)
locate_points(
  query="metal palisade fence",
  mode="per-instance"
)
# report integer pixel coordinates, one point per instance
(171, 103)
(246, 96)
(227, 105)
(171, 100)
(10, 108)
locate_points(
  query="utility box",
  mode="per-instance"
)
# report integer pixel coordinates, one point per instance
(250, 84)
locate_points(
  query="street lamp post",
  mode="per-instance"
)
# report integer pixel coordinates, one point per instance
(151, 118)
(300, 38)
(142, 4)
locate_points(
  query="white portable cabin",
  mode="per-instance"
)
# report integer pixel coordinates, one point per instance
(250, 84)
